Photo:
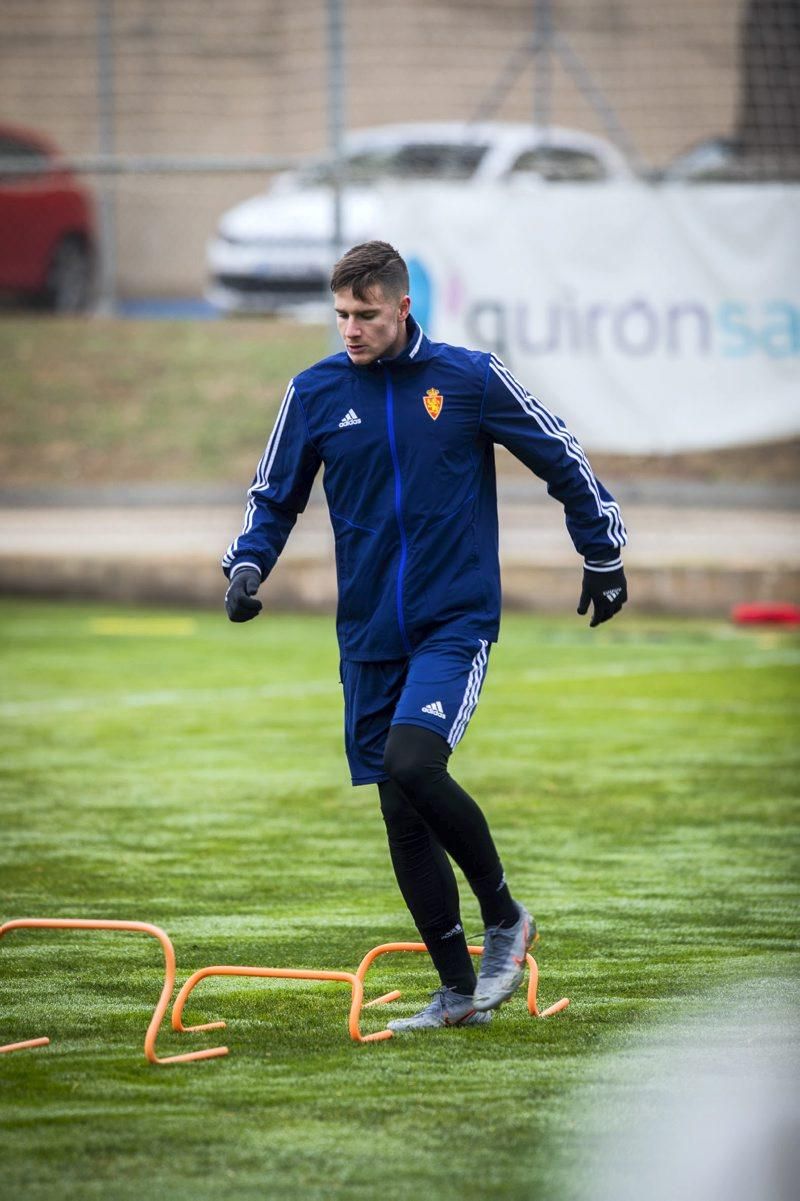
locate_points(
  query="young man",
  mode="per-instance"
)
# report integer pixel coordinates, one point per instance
(405, 428)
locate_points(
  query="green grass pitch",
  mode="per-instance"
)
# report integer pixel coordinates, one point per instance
(179, 770)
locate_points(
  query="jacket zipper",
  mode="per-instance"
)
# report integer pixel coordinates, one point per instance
(398, 498)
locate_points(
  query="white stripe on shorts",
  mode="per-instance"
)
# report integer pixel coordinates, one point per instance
(471, 694)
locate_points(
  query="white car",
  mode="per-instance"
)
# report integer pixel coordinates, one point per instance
(275, 251)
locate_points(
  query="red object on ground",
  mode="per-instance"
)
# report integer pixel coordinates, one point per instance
(767, 613)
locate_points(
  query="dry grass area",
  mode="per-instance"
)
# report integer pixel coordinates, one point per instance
(96, 402)
(763, 462)
(100, 401)
(766, 462)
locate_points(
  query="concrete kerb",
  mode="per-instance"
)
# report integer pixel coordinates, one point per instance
(682, 559)
(310, 585)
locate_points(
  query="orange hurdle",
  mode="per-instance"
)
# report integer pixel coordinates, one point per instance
(166, 992)
(387, 947)
(29, 1042)
(355, 982)
(354, 979)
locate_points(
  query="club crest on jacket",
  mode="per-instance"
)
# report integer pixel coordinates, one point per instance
(433, 401)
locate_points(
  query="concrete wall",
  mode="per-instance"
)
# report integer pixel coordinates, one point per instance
(249, 76)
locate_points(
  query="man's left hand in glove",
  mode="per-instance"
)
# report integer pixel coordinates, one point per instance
(606, 588)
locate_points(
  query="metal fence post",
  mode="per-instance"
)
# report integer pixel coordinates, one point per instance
(107, 274)
(542, 65)
(336, 127)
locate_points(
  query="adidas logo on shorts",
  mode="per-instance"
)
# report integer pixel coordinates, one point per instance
(435, 709)
(350, 418)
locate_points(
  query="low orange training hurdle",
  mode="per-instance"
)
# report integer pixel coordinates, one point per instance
(387, 947)
(354, 979)
(55, 923)
(284, 973)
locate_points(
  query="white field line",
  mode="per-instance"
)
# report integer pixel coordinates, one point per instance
(184, 697)
(663, 667)
(210, 696)
(639, 704)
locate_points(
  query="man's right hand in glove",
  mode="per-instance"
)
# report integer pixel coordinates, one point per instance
(240, 599)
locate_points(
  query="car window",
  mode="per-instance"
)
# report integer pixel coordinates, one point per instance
(429, 160)
(363, 167)
(558, 163)
(367, 167)
(17, 149)
(423, 160)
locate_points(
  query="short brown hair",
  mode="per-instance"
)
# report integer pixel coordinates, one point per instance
(369, 265)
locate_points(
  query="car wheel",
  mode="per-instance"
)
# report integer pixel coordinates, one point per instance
(69, 278)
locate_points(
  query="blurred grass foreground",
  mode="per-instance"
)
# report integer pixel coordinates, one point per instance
(641, 782)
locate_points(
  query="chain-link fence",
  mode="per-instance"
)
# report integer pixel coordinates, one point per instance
(190, 103)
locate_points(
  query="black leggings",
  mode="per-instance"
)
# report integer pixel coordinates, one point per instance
(429, 816)
(415, 759)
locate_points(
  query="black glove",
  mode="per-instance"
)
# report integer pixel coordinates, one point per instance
(607, 590)
(240, 599)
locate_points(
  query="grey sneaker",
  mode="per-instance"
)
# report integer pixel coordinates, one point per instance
(503, 961)
(446, 1008)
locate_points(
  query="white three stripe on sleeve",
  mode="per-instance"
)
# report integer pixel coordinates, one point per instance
(261, 482)
(555, 428)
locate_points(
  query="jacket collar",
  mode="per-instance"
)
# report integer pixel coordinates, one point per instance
(416, 350)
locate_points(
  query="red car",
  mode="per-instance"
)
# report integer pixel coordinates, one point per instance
(47, 229)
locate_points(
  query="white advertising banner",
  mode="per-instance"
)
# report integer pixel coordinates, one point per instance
(652, 319)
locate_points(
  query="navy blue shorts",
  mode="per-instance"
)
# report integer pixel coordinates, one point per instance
(436, 687)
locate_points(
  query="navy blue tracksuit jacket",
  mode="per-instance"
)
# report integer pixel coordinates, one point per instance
(408, 449)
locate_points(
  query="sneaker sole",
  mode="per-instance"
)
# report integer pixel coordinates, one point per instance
(484, 1004)
(396, 1029)
(425, 1029)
